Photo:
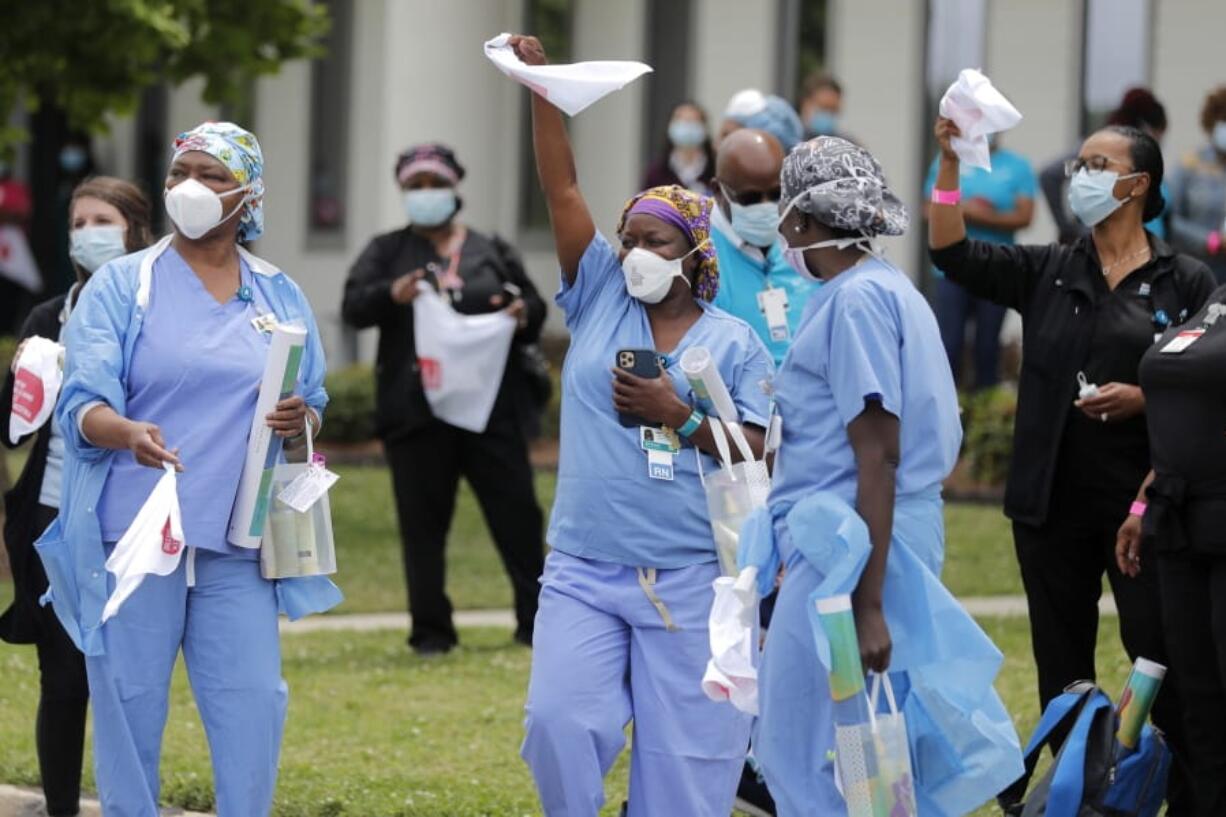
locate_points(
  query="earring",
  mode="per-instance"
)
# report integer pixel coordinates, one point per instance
(796, 228)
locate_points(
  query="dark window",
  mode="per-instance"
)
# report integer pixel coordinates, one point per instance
(802, 45)
(152, 145)
(328, 151)
(668, 52)
(551, 22)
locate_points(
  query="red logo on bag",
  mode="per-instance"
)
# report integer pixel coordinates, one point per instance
(431, 373)
(27, 395)
(170, 545)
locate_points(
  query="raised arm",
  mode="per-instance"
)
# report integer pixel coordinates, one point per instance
(573, 227)
(946, 226)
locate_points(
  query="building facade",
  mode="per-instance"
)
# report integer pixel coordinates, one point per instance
(407, 71)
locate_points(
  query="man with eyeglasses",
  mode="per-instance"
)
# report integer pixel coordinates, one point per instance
(756, 283)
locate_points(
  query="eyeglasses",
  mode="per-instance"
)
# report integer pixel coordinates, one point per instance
(750, 197)
(1095, 164)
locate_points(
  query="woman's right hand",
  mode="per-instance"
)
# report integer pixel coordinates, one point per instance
(1128, 546)
(528, 49)
(145, 442)
(404, 288)
(946, 130)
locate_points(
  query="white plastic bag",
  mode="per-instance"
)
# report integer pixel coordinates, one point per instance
(733, 492)
(36, 385)
(462, 359)
(153, 543)
(569, 87)
(978, 109)
(874, 761)
(298, 543)
(731, 674)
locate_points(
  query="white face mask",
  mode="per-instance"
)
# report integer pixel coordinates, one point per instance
(649, 277)
(795, 256)
(195, 209)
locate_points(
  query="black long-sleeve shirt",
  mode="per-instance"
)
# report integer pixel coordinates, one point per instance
(1072, 322)
(487, 263)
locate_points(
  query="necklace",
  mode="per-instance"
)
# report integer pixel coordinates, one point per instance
(1108, 267)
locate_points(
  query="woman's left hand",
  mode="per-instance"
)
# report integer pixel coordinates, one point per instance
(651, 398)
(516, 309)
(1114, 402)
(1128, 546)
(288, 418)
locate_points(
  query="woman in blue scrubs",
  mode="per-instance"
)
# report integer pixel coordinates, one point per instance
(165, 358)
(870, 429)
(621, 632)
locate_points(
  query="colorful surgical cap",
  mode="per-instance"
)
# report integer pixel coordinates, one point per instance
(238, 150)
(690, 213)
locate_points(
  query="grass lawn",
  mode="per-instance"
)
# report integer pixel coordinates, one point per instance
(979, 559)
(979, 548)
(374, 731)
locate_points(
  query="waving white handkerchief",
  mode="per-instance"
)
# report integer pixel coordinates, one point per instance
(569, 87)
(153, 543)
(978, 109)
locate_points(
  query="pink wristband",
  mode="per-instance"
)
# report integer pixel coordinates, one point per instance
(1137, 509)
(946, 196)
(1214, 242)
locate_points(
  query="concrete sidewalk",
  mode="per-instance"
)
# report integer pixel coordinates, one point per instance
(20, 802)
(988, 606)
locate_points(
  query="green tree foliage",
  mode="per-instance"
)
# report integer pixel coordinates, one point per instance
(93, 57)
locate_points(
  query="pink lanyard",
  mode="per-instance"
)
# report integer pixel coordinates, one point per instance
(450, 278)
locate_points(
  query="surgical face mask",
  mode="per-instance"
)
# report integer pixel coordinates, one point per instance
(1219, 136)
(1091, 196)
(73, 159)
(649, 277)
(795, 256)
(91, 247)
(757, 224)
(430, 207)
(823, 123)
(195, 209)
(686, 133)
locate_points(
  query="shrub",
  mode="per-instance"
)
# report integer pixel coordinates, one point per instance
(350, 417)
(8, 345)
(987, 443)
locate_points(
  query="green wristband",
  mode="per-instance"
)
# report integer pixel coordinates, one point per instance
(691, 425)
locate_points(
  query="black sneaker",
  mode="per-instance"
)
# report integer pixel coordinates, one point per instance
(431, 649)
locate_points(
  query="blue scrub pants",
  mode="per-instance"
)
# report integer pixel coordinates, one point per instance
(794, 735)
(602, 656)
(954, 308)
(226, 625)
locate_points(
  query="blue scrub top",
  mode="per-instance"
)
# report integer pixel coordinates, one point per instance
(1011, 176)
(868, 334)
(742, 277)
(607, 508)
(195, 373)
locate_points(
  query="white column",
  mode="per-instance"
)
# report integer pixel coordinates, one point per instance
(876, 49)
(1189, 61)
(733, 45)
(1047, 91)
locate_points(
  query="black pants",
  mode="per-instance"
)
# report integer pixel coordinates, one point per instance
(59, 728)
(426, 469)
(1194, 616)
(1062, 563)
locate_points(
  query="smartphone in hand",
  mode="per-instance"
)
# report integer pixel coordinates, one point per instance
(641, 363)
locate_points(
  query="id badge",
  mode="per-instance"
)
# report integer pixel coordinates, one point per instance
(662, 440)
(1182, 341)
(660, 465)
(264, 324)
(774, 305)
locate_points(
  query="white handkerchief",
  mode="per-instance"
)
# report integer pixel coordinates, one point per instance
(153, 543)
(978, 109)
(569, 87)
(731, 675)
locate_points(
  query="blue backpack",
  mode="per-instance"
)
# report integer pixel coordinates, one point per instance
(1091, 775)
